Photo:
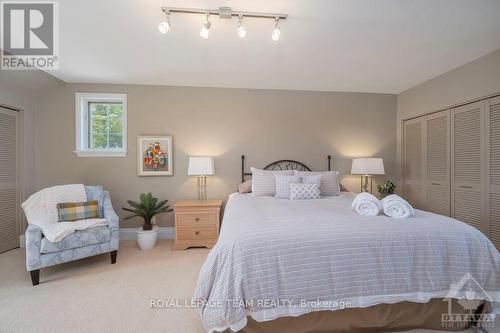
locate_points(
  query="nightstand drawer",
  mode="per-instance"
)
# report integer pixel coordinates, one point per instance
(194, 219)
(196, 223)
(196, 233)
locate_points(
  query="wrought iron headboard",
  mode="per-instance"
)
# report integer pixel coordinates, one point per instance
(281, 165)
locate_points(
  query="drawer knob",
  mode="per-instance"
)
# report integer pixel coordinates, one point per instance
(197, 219)
(196, 232)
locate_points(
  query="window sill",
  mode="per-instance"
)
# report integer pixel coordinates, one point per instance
(95, 153)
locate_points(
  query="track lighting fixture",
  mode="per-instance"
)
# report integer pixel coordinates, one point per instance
(276, 32)
(164, 26)
(223, 13)
(205, 30)
(242, 31)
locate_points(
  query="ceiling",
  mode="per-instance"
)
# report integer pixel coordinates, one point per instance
(384, 46)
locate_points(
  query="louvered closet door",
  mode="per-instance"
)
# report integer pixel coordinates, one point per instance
(493, 169)
(9, 227)
(437, 158)
(413, 166)
(467, 154)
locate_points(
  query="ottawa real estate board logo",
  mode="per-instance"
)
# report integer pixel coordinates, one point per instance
(30, 35)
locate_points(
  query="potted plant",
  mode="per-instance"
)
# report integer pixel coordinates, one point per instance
(147, 208)
(387, 188)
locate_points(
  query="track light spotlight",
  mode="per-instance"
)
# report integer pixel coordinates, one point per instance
(223, 13)
(242, 31)
(205, 30)
(164, 26)
(276, 32)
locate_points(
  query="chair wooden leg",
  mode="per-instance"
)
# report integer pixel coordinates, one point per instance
(35, 277)
(113, 256)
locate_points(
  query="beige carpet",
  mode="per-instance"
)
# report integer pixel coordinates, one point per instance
(91, 295)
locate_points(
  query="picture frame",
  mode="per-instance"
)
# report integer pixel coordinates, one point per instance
(155, 156)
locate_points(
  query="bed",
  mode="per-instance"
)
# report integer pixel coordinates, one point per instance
(315, 265)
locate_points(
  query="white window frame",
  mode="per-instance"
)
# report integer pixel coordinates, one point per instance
(81, 115)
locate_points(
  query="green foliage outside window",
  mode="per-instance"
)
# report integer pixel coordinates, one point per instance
(105, 130)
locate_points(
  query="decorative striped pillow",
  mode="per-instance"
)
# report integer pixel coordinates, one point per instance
(264, 182)
(73, 211)
(311, 179)
(283, 185)
(329, 181)
(304, 191)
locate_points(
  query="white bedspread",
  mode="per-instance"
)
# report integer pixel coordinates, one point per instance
(280, 256)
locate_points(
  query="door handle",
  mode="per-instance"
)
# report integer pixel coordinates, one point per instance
(465, 186)
(436, 184)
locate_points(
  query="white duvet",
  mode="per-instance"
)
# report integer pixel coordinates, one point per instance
(277, 257)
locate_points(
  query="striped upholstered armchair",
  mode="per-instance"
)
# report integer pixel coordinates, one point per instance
(42, 253)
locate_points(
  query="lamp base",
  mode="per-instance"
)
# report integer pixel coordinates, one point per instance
(202, 188)
(366, 186)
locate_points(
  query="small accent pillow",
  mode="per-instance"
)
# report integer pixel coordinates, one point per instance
(245, 187)
(329, 181)
(264, 182)
(304, 191)
(73, 211)
(311, 179)
(283, 185)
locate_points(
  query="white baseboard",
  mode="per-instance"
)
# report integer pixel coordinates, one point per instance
(131, 233)
(125, 234)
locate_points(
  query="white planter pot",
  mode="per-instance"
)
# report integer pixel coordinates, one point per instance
(146, 239)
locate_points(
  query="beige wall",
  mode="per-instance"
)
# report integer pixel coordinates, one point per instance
(265, 125)
(22, 90)
(476, 79)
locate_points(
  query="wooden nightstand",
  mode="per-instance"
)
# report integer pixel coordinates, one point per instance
(196, 223)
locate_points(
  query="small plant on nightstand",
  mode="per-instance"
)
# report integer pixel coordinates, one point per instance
(147, 208)
(387, 188)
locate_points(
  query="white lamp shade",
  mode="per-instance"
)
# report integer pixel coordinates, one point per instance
(201, 166)
(368, 166)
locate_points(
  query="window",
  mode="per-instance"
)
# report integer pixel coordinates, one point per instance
(101, 124)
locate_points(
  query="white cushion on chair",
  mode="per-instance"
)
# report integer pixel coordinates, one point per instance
(77, 239)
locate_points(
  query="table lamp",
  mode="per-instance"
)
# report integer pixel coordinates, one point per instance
(201, 167)
(366, 167)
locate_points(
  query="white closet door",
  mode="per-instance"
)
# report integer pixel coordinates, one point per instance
(467, 156)
(493, 169)
(9, 193)
(437, 157)
(413, 166)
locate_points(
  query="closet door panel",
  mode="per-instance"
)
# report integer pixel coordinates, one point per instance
(9, 191)
(437, 159)
(467, 156)
(493, 169)
(413, 166)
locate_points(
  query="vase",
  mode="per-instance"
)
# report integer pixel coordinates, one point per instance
(146, 239)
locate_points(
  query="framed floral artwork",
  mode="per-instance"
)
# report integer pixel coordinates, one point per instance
(155, 156)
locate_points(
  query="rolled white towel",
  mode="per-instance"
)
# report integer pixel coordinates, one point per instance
(366, 204)
(397, 207)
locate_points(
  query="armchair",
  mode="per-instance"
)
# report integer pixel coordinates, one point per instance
(42, 253)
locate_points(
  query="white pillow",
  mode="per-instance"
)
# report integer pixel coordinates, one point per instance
(311, 179)
(329, 181)
(304, 191)
(283, 185)
(264, 182)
